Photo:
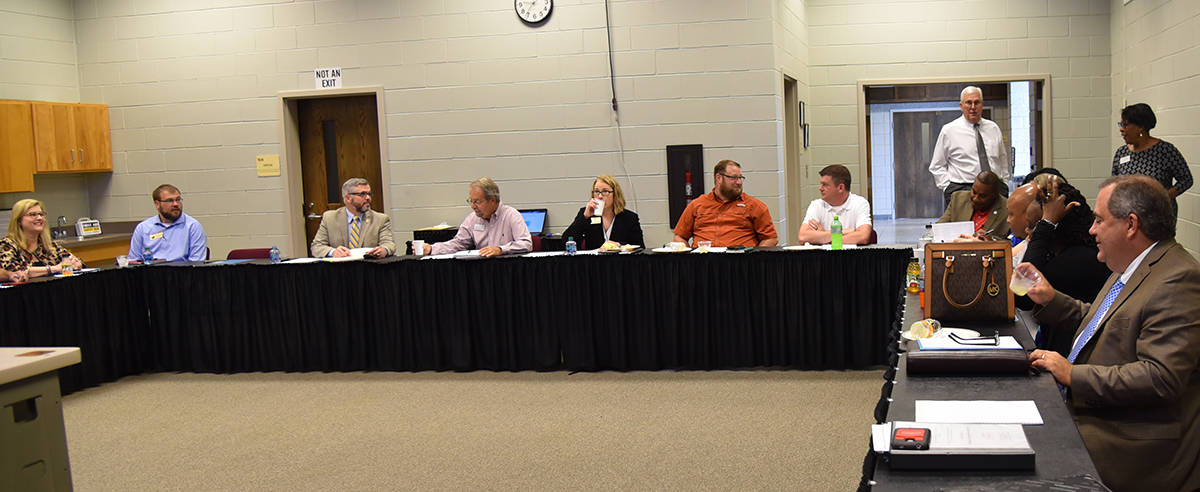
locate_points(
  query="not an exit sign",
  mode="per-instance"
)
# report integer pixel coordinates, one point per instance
(328, 78)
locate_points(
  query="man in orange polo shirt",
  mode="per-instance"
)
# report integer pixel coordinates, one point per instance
(727, 217)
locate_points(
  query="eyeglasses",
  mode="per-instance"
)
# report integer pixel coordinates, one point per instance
(475, 202)
(992, 340)
(602, 192)
(735, 178)
(171, 200)
(362, 194)
(1122, 124)
(36, 215)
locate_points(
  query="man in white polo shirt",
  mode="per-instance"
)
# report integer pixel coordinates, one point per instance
(853, 211)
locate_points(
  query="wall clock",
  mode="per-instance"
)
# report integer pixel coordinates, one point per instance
(533, 12)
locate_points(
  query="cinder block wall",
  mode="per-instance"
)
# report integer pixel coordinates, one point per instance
(1156, 60)
(1069, 39)
(469, 91)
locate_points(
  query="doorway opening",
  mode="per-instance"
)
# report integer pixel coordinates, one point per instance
(328, 137)
(901, 121)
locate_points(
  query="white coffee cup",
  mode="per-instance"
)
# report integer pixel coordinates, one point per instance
(599, 208)
(418, 247)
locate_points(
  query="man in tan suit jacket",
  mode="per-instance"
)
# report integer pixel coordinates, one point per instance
(375, 229)
(1133, 375)
(983, 198)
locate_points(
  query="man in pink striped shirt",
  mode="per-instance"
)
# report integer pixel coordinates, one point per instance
(493, 228)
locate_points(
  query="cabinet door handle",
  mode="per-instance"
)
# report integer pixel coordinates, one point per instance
(81, 156)
(72, 155)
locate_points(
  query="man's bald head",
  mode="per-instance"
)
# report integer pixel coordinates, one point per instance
(1018, 205)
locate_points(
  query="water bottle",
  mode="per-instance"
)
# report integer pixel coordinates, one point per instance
(835, 233)
(571, 247)
(147, 256)
(274, 254)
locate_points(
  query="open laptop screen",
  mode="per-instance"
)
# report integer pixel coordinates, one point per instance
(535, 220)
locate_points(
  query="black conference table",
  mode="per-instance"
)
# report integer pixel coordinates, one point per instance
(1059, 451)
(768, 308)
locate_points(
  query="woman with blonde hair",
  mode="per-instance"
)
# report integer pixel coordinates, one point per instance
(614, 222)
(27, 246)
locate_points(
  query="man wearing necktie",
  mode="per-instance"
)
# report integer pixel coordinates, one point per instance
(968, 146)
(354, 226)
(1132, 378)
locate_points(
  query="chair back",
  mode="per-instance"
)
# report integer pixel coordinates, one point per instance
(249, 254)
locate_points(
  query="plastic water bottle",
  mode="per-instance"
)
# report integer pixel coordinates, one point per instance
(835, 233)
(147, 256)
(274, 254)
(571, 247)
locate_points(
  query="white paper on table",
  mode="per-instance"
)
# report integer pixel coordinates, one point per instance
(947, 232)
(303, 260)
(589, 252)
(947, 343)
(447, 256)
(979, 412)
(881, 437)
(829, 247)
(541, 254)
(944, 436)
(711, 249)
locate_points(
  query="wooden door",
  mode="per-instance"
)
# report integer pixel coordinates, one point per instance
(54, 136)
(339, 140)
(93, 138)
(913, 137)
(17, 156)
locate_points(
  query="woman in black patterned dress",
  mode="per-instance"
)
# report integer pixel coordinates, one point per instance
(1143, 154)
(27, 249)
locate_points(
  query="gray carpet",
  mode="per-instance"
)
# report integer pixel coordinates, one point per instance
(482, 431)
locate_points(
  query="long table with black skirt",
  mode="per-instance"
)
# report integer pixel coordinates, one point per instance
(1059, 451)
(804, 309)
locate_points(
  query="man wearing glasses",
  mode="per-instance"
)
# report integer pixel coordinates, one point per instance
(171, 235)
(968, 146)
(493, 228)
(354, 226)
(727, 217)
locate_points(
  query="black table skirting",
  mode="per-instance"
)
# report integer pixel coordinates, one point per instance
(805, 310)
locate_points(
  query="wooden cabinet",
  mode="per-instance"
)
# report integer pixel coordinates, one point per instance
(71, 138)
(16, 146)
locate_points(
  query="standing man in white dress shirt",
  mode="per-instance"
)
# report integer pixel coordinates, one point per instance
(853, 211)
(956, 155)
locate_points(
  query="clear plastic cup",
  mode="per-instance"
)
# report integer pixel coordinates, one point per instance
(1022, 282)
(122, 261)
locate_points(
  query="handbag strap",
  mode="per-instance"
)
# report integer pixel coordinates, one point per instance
(987, 266)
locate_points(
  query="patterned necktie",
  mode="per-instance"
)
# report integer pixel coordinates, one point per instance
(1095, 322)
(355, 233)
(983, 160)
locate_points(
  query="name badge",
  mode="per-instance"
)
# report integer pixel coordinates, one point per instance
(1124, 160)
(157, 235)
(479, 227)
(596, 220)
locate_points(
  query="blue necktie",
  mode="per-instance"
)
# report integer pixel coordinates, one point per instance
(1095, 322)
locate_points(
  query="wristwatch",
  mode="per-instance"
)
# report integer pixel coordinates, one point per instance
(1051, 224)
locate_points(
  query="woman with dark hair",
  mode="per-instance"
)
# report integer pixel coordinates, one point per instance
(1061, 247)
(1143, 154)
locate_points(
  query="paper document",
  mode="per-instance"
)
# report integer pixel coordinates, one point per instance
(979, 412)
(881, 437)
(947, 232)
(829, 247)
(540, 254)
(303, 260)
(438, 227)
(946, 437)
(948, 343)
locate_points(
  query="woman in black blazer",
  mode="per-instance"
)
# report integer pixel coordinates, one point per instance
(616, 223)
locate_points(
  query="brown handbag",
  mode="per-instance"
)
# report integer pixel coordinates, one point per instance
(968, 281)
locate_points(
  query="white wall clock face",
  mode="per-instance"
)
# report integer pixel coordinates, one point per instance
(533, 11)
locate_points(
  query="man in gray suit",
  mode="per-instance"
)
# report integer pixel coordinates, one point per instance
(354, 226)
(1132, 378)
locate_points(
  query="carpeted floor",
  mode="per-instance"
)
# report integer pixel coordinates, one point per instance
(760, 429)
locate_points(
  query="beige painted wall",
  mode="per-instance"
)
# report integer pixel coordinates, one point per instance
(892, 39)
(1156, 60)
(469, 91)
(790, 24)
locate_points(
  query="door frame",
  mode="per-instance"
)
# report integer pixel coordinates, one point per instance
(864, 151)
(289, 158)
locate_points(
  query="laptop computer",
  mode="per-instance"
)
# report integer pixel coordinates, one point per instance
(535, 220)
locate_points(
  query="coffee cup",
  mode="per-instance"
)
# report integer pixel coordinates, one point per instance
(418, 246)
